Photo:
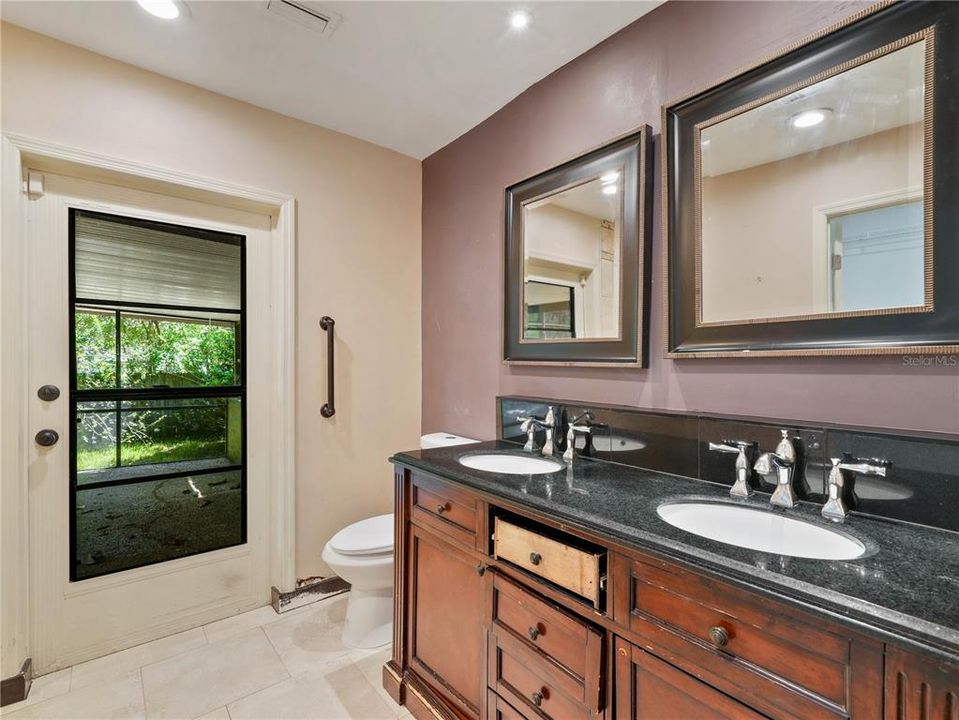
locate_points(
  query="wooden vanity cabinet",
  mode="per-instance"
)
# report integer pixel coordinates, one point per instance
(485, 633)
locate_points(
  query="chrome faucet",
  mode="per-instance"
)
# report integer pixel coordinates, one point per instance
(835, 508)
(574, 427)
(530, 424)
(743, 450)
(783, 461)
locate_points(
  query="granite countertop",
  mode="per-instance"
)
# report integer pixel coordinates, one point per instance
(906, 588)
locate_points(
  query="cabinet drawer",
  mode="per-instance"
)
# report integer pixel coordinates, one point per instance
(498, 709)
(647, 688)
(746, 642)
(445, 508)
(576, 569)
(531, 682)
(564, 638)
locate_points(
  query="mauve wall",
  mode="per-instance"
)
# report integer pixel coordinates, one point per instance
(676, 49)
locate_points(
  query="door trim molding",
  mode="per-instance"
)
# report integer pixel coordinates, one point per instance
(17, 152)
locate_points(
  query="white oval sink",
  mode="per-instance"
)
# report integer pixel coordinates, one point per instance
(762, 530)
(511, 464)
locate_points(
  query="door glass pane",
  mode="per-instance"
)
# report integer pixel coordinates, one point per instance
(96, 436)
(167, 431)
(139, 262)
(142, 523)
(96, 344)
(177, 352)
(157, 392)
(549, 311)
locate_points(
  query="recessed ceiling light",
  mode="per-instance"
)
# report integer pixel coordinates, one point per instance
(609, 190)
(519, 20)
(165, 9)
(810, 118)
(609, 177)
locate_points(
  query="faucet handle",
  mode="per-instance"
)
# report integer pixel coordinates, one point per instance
(733, 446)
(742, 448)
(528, 425)
(869, 466)
(571, 431)
(786, 449)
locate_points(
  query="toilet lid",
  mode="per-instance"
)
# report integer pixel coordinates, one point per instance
(366, 537)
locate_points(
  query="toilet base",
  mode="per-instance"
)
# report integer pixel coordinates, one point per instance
(369, 618)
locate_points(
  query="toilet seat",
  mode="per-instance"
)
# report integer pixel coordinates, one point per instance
(373, 536)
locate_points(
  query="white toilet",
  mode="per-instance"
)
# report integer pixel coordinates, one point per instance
(362, 554)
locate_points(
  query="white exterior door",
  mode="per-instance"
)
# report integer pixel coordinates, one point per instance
(75, 620)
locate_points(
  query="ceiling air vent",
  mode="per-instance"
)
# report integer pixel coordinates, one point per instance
(308, 14)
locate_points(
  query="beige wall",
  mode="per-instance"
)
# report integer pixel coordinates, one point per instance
(758, 223)
(358, 249)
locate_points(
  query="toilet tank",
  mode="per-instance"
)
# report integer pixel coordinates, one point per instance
(442, 439)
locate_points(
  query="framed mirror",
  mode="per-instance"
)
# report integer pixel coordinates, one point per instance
(808, 211)
(577, 258)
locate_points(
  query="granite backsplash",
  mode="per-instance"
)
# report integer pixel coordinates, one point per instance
(921, 484)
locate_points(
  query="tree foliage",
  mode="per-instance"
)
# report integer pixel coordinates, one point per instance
(153, 352)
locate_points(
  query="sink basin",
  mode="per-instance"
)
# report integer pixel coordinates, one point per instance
(759, 529)
(511, 464)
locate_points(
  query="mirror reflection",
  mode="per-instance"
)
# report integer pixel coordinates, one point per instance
(572, 249)
(812, 203)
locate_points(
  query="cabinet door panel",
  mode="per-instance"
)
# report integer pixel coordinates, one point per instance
(649, 689)
(919, 688)
(447, 640)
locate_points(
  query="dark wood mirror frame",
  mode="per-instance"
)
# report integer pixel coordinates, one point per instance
(932, 331)
(631, 348)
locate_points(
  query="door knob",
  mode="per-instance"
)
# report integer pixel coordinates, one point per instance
(48, 393)
(46, 438)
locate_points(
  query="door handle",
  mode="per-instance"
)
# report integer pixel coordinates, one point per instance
(47, 438)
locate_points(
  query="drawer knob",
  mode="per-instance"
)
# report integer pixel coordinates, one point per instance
(537, 698)
(481, 569)
(534, 633)
(535, 558)
(440, 509)
(719, 635)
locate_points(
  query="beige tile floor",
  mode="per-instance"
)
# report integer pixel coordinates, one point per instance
(254, 666)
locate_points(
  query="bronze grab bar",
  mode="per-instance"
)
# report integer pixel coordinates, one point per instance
(328, 410)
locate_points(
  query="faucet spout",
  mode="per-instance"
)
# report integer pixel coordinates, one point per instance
(782, 462)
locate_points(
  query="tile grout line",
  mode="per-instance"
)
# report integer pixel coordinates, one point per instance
(289, 676)
(277, 653)
(143, 692)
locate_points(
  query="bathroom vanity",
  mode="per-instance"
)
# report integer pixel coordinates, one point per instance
(564, 595)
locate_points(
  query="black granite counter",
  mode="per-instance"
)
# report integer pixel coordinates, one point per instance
(906, 588)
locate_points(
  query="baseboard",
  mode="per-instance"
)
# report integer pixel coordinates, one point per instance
(16, 688)
(309, 593)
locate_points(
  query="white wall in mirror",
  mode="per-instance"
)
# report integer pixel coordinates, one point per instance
(813, 203)
(572, 249)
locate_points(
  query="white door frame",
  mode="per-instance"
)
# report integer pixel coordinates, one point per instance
(17, 153)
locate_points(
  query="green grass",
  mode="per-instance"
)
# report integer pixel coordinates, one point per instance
(142, 454)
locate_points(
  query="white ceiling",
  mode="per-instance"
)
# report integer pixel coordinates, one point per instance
(880, 95)
(589, 199)
(410, 76)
